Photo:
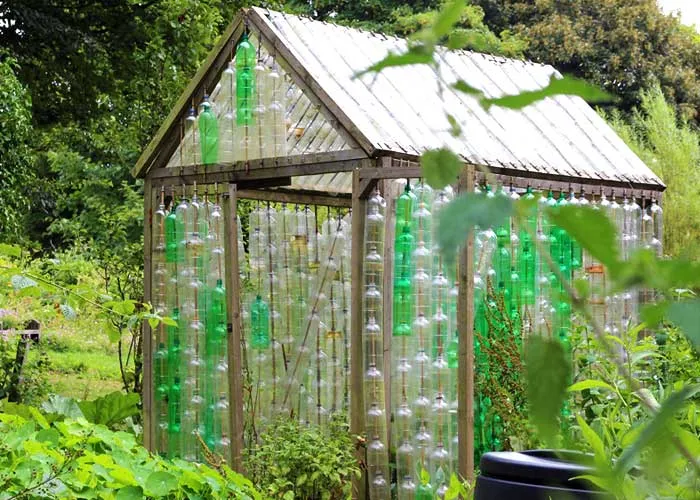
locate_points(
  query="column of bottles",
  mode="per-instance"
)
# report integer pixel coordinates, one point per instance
(191, 388)
(373, 347)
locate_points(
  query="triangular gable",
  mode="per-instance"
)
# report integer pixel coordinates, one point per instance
(310, 126)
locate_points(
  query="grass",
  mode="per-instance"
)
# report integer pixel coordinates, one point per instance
(83, 363)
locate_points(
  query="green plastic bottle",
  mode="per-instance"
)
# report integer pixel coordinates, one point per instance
(403, 289)
(245, 81)
(174, 418)
(208, 133)
(259, 324)
(171, 236)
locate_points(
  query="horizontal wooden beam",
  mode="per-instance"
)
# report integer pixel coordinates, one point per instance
(296, 196)
(208, 180)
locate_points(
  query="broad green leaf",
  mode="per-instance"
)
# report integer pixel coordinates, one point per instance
(424, 476)
(590, 384)
(130, 493)
(440, 167)
(123, 475)
(593, 440)
(62, 405)
(418, 54)
(547, 371)
(591, 229)
(48, 435)
(160, 483)
(39, 418)
(168, 321)
(153, 323)
(464, 87)
(301, 479)
(686, 315)
(110, 409)
(448, 16)
(657, 426)
(653, 314)
(454, 489)
(460, 216)
(10, 250)
(566, 85)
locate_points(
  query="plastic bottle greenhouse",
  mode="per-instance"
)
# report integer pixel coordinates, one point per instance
(290, 236)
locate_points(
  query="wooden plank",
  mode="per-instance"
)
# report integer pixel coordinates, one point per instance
(147, 382)
(317, 163)
(156, 154)
(465, 321)
(357, 403)
(305, 80)
(223, 180)
(296, 196)
(235, 360)
(388, 172)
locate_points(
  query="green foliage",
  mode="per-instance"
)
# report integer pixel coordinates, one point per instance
(32, 385)
(557, 86)
(460, 216)
(671, 148)
(16, 172)
(620, 45)
(455, 24)
(76, 459)
(440, 167)
(306, 463)
(548, 372)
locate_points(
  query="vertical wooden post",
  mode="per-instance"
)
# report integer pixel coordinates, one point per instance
(357, 403)
(465, 321)
(235, 361)
(387, 299)
(147, 385)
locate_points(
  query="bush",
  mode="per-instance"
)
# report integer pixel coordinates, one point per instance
(75, 459)
(294, 461)
(671, 148)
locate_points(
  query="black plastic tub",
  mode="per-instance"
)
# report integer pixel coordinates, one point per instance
(536, 475)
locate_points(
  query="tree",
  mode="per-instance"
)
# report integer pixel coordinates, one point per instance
(16, 170)
(404, 18)
(671, 147)
(624, 46)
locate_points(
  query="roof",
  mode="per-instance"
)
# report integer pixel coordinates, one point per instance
(403, 109)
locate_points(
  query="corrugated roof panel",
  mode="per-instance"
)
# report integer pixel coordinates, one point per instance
(403, 109)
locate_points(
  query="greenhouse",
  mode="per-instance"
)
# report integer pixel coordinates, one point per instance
(290, 236)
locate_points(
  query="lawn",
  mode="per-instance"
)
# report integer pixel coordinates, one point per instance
(83, 363)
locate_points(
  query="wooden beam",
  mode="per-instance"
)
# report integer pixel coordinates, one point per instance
(465, 322)
(235, 360)
(223, 180)
(357, 401)
(296, 196)
(305, 80)
(147, 382)
(387, 172)
(266, 167)
(164, 143)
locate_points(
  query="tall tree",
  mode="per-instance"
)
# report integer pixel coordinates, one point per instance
(623, 45)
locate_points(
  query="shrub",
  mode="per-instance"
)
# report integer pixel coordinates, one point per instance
(294, 461)
(75, 459)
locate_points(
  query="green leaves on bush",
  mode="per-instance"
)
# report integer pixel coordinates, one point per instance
(107, 410)
(76, 459)
(440, 167)
(295, 461)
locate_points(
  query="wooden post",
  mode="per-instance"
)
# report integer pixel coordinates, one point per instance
(235, 360)
(147, 387)
(465, 321)
(357, 403)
